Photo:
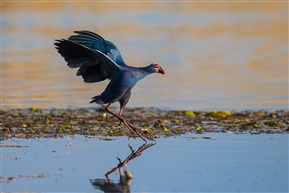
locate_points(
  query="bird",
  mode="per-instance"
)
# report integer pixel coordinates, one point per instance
(98, 59)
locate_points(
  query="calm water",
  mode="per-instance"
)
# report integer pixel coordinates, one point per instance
(224, 163)
(216, 55)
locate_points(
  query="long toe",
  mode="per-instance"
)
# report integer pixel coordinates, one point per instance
(139, 132)
(143, 135)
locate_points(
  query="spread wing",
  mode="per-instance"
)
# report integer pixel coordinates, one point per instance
(96, 42)
(93, 65)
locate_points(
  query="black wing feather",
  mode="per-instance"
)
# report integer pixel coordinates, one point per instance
(94, 66)
(96, 42)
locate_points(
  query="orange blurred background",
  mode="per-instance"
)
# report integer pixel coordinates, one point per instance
(217, 55)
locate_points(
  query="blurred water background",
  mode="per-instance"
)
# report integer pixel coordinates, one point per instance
(217, 55)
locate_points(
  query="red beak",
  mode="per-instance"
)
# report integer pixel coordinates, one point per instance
(161, 71)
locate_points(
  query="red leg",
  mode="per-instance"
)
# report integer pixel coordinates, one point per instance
(120, 112)
(117, 116)
(128, 125)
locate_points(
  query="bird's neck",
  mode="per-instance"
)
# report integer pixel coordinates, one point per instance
(142, 72)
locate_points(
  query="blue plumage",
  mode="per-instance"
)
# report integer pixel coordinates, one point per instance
(98, 59)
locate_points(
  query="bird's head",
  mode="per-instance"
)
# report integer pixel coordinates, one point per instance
(158, 68)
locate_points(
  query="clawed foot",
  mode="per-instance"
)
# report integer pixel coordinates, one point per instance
(132, 128)
(137, 131)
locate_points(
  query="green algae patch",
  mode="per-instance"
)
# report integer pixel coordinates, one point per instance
(37, 123)
(35, 109)
(219, 114)
(190, 113)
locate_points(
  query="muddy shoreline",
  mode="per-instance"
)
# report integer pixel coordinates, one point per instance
(37, 123)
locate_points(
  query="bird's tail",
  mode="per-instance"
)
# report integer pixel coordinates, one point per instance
(97, 99)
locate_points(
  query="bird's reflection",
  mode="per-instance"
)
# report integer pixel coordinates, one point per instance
(125, 178)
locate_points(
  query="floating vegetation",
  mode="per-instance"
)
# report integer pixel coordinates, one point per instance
(219, 114)
(34, 176)
(3, 178)
(190, 113)
(36, 123)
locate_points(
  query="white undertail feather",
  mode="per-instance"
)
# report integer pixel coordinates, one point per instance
(97, 99)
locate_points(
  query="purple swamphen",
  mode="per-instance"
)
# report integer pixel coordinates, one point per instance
(98, 59)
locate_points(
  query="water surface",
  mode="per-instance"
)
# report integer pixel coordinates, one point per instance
(187, 163)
